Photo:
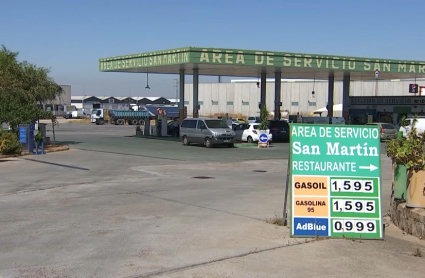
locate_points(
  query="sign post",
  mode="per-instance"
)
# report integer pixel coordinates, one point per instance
(263, 140)
(335, 181)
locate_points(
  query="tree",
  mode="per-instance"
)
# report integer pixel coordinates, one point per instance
(23, 87)
(264, 118)
(54, 123)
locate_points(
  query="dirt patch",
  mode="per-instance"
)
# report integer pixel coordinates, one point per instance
(79, 121)
(234, 116)
(56, 148)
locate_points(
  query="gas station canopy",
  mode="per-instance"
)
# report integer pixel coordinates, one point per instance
(251, 63)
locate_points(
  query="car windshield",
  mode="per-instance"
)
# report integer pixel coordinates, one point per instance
(215, 124)
(388, 126)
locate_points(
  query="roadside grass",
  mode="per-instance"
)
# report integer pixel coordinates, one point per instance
(275, 221)
(417, 253)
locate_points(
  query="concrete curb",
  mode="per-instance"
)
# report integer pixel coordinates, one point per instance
(57, 149)
(247, 145)
(158, 138)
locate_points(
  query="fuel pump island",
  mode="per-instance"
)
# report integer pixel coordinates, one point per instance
(335, 181)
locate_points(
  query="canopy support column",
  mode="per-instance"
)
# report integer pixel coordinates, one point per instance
(277, 90)
(331, 86)
(181, 95)
(195, 93)
(346, 97)
(263, 84)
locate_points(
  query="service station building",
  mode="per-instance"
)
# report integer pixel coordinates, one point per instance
(342, 72)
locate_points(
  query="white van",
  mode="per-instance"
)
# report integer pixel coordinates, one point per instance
(419, 125)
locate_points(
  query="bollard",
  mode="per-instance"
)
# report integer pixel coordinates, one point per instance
(42, 147)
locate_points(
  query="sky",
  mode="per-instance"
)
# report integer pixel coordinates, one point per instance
(69, 36)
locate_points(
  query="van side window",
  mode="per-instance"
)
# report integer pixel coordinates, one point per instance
(192, 123)
(185, 124)
(201, 125)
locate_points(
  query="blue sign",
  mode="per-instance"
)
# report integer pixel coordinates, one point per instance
(23, 135)
(263, 138)
(310, 226)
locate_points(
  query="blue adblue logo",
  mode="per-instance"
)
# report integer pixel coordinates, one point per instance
(311, 226)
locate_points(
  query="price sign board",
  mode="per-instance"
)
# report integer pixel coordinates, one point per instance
(335, 181)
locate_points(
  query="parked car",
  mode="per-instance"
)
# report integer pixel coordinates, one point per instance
(240, 120)
(235, 122)
(249, 133)
(279, 130)
(387, 131)
(253, 120)
(206, 131)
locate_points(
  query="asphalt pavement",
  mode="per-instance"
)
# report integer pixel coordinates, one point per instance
(120, 206)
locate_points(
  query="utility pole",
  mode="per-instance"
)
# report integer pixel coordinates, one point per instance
(82, 100)
(129, 96)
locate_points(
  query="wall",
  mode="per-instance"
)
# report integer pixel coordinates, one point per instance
(291, 92)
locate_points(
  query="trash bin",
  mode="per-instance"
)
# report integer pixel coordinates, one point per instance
(43, 128)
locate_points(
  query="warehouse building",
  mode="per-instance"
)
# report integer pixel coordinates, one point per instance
(117, 103)
(297, 96)
(243, 96)
(57, 105)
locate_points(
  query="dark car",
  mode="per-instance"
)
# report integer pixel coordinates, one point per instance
(279, 130)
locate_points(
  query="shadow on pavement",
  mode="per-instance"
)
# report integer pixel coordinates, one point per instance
(129, 154)
(67, 143)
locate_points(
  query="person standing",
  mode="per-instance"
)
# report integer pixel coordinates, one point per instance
(176, 128)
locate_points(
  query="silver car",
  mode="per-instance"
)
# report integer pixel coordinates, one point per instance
(206, 131)
(388, 131)
(253, 120)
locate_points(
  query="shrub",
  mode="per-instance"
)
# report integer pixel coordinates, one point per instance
(409, 150)
(9, 143)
